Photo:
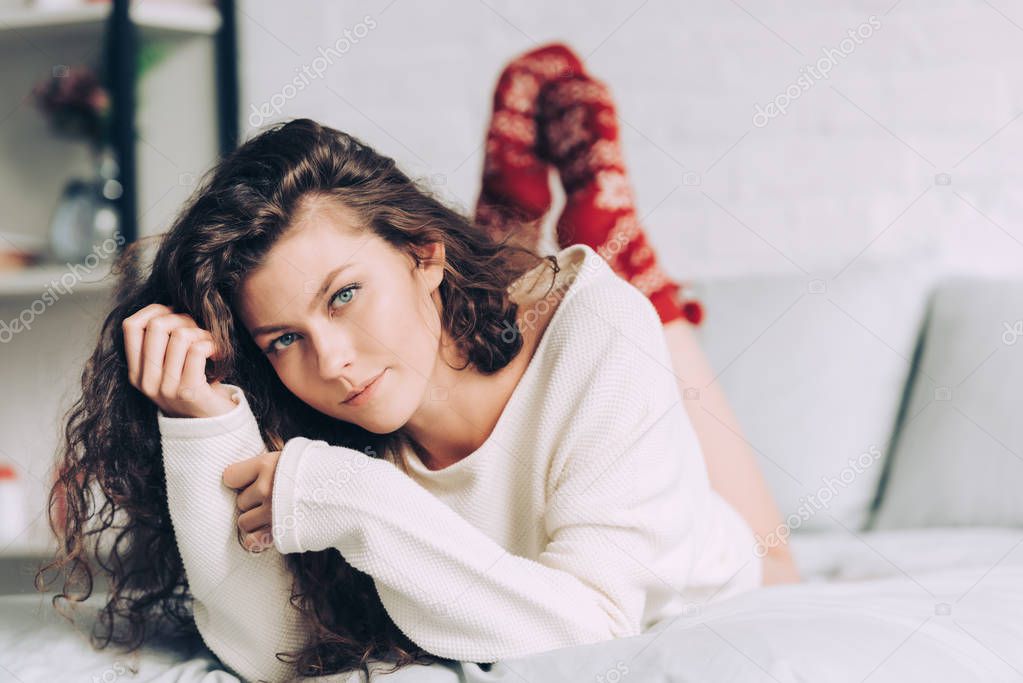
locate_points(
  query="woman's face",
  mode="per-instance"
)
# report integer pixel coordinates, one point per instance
(333, 306)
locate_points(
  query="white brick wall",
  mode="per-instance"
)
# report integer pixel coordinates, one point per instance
(809, 191)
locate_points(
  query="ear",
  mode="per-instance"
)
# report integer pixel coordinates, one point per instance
(432, 264)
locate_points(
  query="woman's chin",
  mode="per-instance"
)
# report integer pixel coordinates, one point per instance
(380, 422)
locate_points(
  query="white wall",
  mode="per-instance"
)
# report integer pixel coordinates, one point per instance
(849, 172)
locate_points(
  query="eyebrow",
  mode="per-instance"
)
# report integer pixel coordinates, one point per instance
(266, 329)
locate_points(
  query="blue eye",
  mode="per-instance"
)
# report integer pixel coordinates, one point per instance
(273, 348)
(345, 290)
(286, 334)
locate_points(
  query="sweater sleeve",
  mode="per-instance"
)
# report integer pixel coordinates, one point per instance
(457, 593)
(241, 599)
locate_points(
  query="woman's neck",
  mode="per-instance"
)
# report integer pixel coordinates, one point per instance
(457, 419)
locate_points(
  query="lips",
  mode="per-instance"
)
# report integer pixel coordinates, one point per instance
(364, 387)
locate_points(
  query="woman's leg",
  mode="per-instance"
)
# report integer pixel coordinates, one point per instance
(515, 194)
(578, 133)
(731, 464)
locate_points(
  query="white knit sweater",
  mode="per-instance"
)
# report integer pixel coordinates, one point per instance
(585, 516)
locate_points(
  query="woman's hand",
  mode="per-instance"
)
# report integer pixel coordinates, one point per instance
(254, 478)
(166, 354)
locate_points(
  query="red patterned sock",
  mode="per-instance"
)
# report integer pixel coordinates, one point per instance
(515, 194)
(579, 134)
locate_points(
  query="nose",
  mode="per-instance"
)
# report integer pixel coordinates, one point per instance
(334, 354)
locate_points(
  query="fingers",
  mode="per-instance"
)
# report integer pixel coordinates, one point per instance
(134, 328)
(193, 372)
(184, 365)
(241, 474)
(255, 519)
(254, 495)
(258, 540)
(255, 475)
(154, 348)
(180, 361)
(166, 352)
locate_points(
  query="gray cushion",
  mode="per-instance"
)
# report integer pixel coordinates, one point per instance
(958, 458)
(815, 371)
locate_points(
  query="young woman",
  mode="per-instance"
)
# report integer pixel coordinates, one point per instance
(338, 421)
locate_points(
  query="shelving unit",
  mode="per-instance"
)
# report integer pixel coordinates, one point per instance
(197, 83)
(31, 549)
(35, 280)
(155, 17)
(121, 25)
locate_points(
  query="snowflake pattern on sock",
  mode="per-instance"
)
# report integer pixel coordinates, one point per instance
(547, 112)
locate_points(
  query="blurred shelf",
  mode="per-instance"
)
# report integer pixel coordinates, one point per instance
(29, 549)
(35, 280)
(154, 17)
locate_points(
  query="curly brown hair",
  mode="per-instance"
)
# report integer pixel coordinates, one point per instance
(110, 480)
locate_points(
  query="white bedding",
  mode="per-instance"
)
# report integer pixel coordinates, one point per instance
(930, 604)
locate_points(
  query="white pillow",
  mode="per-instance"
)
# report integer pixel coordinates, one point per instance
(958, 458)
(815, 371)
